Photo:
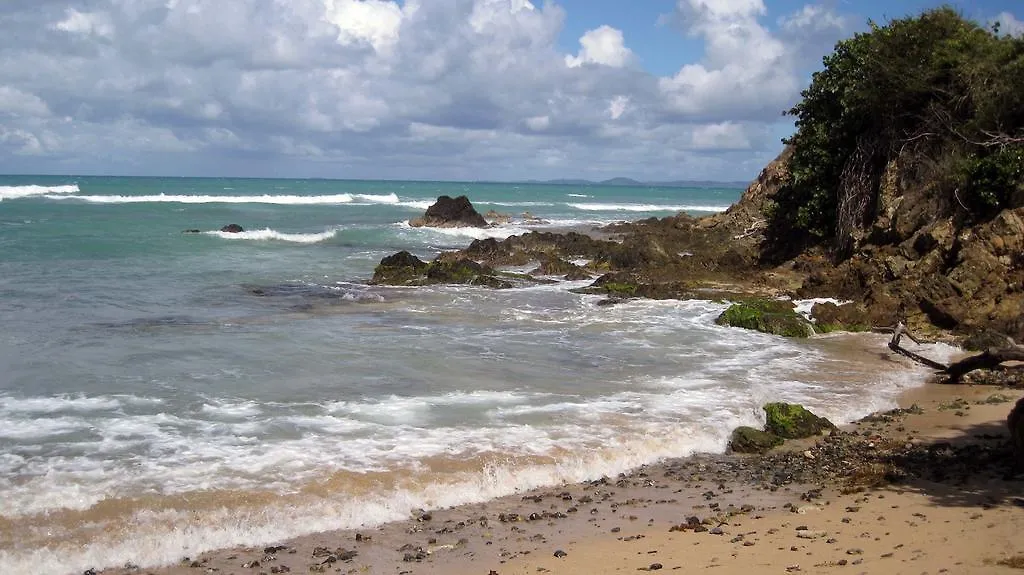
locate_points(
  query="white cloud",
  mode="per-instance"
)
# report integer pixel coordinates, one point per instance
(617, 107)
(18, 103)
(76, 22)
(538, 123)
(745, 68)
(605, 46)
(375, 22)
(720, 136)
(362, 88)
(1008, 24)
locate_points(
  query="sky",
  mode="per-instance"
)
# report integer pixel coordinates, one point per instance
(418, 89)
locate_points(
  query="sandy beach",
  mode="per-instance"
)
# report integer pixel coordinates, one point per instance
(928, 488)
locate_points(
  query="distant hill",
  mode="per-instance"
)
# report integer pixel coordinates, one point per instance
(629, 182)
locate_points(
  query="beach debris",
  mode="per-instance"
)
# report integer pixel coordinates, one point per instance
(560, 554)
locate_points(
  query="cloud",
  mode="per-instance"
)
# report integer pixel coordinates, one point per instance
(748, 72)
(373, 88)
(372, 21)
(744, 68)
(86, 23)
(1008, 24)
(605, 46)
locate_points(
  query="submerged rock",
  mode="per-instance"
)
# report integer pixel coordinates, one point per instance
(776, 317)
(749, 440)
(233, 229)
(792, 421)
(448, 212)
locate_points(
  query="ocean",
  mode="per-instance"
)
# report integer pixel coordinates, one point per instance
(164, 393)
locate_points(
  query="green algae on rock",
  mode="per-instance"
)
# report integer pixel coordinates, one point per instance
(792, 421)
(776, 317)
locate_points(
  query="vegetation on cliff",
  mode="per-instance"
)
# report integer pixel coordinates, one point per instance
(938, 93)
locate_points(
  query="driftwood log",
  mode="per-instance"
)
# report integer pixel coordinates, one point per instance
(992, 358)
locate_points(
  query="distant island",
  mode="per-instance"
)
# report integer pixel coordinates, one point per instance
(629, 182)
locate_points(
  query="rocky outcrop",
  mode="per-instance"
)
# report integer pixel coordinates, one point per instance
(232, 229)
(791, 421)
(405, 269)
(448, 212)
(963, 279)
(829, 317)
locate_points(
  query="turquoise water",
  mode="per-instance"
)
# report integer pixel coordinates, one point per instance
(163, 392)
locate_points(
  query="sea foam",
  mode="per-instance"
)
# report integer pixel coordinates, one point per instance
(15, 192)
(646, 208)
(268, 234)
(292, 200)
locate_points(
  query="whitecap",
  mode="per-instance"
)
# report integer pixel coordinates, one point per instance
(15, 192)
(267, 234)
(646, 208)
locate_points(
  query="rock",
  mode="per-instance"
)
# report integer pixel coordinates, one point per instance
(791, 421)
(560, 554)
(399, 269)
(1016, 424)
(776, 317)
(984, 339)
(829, 317)
(448, 212)
(233, 229)
(497, 218)
(750, 440)
(554, 266)
(191, 231)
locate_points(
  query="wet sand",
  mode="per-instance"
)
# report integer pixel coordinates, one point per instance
(929, 490)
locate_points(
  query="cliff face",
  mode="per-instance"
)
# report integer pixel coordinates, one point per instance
(920, 260)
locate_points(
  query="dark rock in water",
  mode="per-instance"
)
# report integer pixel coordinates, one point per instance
(233, 229)
(491, 282)
(461, 271)
(554, 266)
(450, 212)
(404, 268)
(191, 231)
(1016, 424)
(765, 315)
(750, 440)
(399, 269)
(791, 421)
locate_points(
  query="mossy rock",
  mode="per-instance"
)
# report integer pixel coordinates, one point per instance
(461, 271)
(792, 421)
(491, 282)
(776, 317)
(749, 440)
(402, 268)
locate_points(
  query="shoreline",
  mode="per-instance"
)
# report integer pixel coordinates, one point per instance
(932, 487)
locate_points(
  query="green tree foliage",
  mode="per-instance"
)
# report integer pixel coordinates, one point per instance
(936, 85)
